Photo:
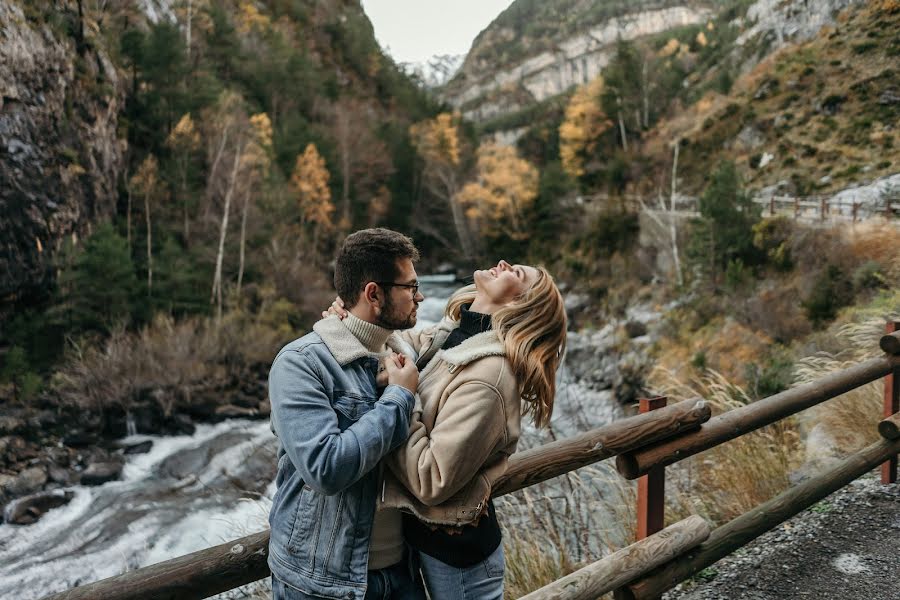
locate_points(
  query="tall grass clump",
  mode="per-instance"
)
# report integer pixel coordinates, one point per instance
(734, 477)
(845, 424)
(556, 527)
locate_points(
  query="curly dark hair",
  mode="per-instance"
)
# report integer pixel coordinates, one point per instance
(369, 255)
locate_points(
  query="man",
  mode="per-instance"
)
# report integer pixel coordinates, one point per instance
(334, 425)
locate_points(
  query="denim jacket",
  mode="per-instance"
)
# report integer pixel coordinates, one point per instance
(333, 429)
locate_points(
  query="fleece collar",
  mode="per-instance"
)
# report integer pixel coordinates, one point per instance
(478, 346)
(345, 347)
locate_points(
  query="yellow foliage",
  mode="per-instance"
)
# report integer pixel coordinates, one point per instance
(437, 140)
(701, 39)
(669, 49)
(250, 19)
(506, 186)
(258, 150)
(184, 135)
(310, 182)
(583, 124)
(147, 176)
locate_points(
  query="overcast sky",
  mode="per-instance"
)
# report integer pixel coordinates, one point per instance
(416, 30)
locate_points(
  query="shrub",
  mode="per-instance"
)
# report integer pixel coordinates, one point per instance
(869, 276)
(772, 236)
(831, 291)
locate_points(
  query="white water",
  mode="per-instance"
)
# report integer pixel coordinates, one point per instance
(192, 492)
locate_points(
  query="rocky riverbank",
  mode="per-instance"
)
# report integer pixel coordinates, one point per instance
(53, 445)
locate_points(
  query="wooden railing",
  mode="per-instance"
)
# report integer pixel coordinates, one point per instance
(644, 445)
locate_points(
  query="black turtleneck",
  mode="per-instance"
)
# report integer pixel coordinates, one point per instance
(470, 544)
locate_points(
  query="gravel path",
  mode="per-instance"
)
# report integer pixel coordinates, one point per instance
(847, 547)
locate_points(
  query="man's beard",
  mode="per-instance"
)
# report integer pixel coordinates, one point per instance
(390, 318)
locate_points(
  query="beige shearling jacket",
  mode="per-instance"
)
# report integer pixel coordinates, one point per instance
(465, 426)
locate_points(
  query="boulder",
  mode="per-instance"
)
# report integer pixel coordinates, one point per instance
(79, 439)
(28, 481)
(180, 424)
(138, 448)
(10, 425)
(59, 475)
(99, 473)
(29, 509)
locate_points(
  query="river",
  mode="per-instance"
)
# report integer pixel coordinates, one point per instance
(192, 492)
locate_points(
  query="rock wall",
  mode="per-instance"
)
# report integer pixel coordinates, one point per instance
(59, 152)
(575, 61)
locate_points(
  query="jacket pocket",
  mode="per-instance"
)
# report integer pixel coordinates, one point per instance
(350, 406)
(304, 538)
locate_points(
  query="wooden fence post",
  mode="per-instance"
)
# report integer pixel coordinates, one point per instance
(772, 206)
(823, 208)
(855, 210)
(891, 406)
(796, 208)
(651, 500)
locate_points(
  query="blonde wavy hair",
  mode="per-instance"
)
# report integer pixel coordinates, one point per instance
(532, 329)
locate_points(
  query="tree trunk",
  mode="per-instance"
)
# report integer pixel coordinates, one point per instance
(187, 33)
(243, 239)
(621, 124)
(149, 244)
(216, 295)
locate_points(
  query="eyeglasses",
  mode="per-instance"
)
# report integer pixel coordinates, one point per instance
(413, 286)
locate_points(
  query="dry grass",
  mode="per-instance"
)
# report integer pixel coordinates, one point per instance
(732, 478)
(167, 355)
(843, 425)
(556, 527)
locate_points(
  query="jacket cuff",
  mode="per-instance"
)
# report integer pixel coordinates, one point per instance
(401, 395)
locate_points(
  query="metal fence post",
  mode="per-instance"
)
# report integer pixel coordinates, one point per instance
(651, 501)
(891, 406)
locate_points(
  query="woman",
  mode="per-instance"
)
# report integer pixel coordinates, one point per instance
(493, 357)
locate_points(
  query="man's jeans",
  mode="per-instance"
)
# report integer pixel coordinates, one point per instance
(391, 583)
(483, 581)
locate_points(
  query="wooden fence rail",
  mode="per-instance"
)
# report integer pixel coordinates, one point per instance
(214, 570)
(739, 421)
(736, 533)
(629, 563)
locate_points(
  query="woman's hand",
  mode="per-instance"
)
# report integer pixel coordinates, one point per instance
(336, 308)
(401, 370)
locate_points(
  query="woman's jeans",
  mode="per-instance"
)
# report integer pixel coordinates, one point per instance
(391, 583)
(482, 581)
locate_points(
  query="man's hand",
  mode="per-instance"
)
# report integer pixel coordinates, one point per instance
(336, 308)
(402, 371)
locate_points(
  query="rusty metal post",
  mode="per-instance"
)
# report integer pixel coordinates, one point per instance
(855, 210)
(823, 208)
(651, 501)
(891, 406)
(796, 207)
(772, 205)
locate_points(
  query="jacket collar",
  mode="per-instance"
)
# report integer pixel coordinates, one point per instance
(478, 346)
(345, 347)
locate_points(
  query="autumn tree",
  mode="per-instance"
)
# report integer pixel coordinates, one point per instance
(309, 181)
(146, 183)
(503, 192)
(437, 141)
(583, 124)
(255, 164)
(184, 142)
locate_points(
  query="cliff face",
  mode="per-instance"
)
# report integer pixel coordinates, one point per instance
(59, 152)
(481, 91)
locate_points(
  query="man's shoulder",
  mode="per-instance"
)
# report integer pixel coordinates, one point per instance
(309, 344)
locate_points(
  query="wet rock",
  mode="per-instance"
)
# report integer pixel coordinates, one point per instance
(79, 439)
(265, 408)
(59, 475)
(230, 411)
(29, 509)
(138, 448)
(10, 425)
(99, 473)
(244, 400)
(28, 481)
(180, 424)
(193, 461)
(635, 329)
